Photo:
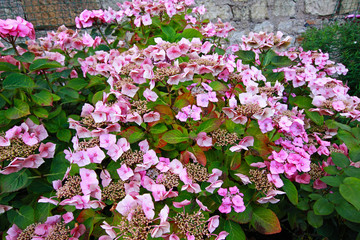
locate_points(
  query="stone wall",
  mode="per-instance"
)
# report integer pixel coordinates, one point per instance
(289, 16)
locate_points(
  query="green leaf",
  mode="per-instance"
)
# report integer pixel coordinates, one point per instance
(24, 217)
(133, 134)
(8, 67)
(58, 167)
(191, 33)
(20, 109)
(314, 220)
(303, 102)
(27, 57)
(330, 123)
(281, 61)
(352, 171)
(168, 31)
(323, 207)
(158, 128)
(18, 80)
(348, 211)
(41, 64)
(77, 83)
(235, 231)
(333, 181)
(14, 181)
(291, 191)
(340, 159)
(354, 153)
(209, 125)
(347, 138)
(265, 221)
(241, 217)
(40, 112)
(246, 56)
(350, 190)
(218, 86)
(64, 135)
(315, 117)
(43, 98)
(43, 210)
(332, 170)
(175, 136)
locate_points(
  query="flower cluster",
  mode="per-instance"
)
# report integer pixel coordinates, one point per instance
(16, 28)
(19, 146)
(55, 227)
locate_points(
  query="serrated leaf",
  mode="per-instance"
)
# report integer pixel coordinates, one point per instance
(348, 211)
(352, 171)
(323, 207)
(314, 220)
(24, 217)
(175, 136)
(315, 117)
(291, 191)
(340, 159)
(246, 56)
(265, 221)
(281, 61)
(43, 98)
(241, 217)
(350, 190)
(158, 128)
(41, 112)
(235, 231)
(8, 67)
(303, 102)
(64, 135)
(58, 167)
(191, 33)
(20, 109)
(14, 181)
(333, 181)
(209, 125)
(18, 80)
(133, 134)
(77, 83)
(41, 64)
(218, 86)
(27, 57)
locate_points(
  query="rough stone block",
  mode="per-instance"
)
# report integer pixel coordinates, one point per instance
(241, 13)
(284, 8)
(349, 6)
(320, 7)
(266, 26)
(259, 11)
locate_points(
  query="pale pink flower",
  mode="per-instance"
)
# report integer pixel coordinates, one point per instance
(125, 172)
(181, 204)
(203, 140)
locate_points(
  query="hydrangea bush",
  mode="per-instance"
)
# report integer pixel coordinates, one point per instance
(152, 129)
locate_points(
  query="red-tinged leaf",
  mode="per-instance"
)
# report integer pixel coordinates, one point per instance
(210, 108)
(199, 154)
(161, 143)
(85, 214)
(132, 134)
(164, 110)
(265, 221)
(186, 96)
(185, 157)
(235, 161)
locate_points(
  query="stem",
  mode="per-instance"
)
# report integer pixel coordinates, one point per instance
(48, 81)
(102, 35)
(12, 42)
(5, 98)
